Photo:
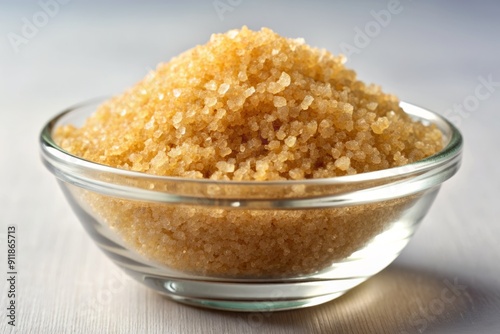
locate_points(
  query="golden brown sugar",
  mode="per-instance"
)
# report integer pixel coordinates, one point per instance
(249, 106)
(252, 106)
(244, 243)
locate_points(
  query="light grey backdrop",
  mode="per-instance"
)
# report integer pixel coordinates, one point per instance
(432, 53)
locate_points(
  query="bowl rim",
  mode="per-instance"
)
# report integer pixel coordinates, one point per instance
(451, 151)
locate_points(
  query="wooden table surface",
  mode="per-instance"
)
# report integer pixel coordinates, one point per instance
(436, 55)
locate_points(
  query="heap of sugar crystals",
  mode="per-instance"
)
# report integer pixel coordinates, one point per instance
(252, 106)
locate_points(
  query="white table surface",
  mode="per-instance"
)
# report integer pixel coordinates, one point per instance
(428, 54)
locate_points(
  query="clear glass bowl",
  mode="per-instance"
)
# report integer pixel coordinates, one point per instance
(250, 246)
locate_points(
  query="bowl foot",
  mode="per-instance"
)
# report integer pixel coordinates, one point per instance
(250, 296)
(256, 305)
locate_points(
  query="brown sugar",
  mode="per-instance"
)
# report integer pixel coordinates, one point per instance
(244, 243)
(252, 106)
(249, 106)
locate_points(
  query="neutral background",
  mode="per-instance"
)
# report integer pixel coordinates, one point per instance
(432, 53)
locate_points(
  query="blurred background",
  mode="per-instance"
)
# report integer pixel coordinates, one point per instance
(442, 55)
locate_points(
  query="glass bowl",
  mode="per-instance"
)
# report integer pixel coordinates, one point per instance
(250, 246)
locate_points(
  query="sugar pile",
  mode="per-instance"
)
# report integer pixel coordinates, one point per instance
(252, 106)
(249, 106)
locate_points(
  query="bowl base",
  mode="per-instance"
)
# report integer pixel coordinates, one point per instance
(247, 296)
(254, 306)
